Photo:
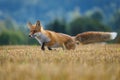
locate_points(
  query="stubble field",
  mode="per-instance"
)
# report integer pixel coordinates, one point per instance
(86, 62)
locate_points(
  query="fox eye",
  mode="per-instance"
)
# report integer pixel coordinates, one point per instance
(35, 31)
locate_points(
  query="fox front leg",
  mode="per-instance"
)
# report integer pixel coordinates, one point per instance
(43, 46)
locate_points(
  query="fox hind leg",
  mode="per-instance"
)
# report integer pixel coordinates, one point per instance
(63, 46)
(49, 48)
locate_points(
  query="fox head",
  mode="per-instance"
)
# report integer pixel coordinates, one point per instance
(34, 29)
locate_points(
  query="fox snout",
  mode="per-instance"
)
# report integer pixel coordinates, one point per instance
(35, 35)
(31, 35)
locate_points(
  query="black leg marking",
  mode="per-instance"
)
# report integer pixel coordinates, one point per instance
(49, 48)
(43, 46)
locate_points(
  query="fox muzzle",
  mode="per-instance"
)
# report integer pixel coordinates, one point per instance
(32, 36)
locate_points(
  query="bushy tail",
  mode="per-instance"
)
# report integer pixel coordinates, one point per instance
(113, 35)
(93, 37)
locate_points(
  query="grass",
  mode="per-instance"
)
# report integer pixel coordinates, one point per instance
(87, 62)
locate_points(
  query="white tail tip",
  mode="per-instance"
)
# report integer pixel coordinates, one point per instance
(113, 35)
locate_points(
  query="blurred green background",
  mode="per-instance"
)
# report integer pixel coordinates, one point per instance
(66, 16)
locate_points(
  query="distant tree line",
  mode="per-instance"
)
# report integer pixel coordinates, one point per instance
(78, 25)
(12, 35)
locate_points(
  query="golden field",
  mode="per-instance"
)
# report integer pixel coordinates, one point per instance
(86, 62)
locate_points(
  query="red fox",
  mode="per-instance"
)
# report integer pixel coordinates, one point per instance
(53, 39)
(49, 38)
(93, 37)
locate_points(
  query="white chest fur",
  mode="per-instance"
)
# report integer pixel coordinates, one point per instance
(41, 37)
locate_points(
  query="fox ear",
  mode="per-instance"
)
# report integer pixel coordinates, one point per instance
(38, 23)
(29, 25)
